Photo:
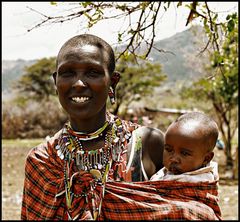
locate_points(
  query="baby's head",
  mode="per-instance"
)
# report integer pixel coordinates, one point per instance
(189, 142)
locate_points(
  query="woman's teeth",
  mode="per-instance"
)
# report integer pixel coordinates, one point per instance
(80, 99)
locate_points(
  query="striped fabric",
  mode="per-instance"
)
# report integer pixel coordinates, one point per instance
(161, 200)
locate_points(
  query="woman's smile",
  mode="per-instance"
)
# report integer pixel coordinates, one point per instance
(80, 99)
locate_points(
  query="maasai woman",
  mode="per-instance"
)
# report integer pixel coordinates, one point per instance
(65, 177)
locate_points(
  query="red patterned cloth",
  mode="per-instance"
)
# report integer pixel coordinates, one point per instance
(43, 180)
(161, 200)
(44, 196)
(149, 200)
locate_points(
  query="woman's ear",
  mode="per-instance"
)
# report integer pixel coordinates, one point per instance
(54, 75)
(115, 79)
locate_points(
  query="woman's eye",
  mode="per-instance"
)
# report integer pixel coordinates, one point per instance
(93, 73)
(66, 74)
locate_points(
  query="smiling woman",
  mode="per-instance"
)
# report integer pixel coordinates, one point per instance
(66, 176)
(83, 79)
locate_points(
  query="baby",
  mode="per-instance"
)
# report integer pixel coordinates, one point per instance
(188, 149)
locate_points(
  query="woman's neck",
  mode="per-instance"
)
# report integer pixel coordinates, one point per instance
(88, 125)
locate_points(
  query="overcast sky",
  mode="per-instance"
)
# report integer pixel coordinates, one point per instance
(17, 43)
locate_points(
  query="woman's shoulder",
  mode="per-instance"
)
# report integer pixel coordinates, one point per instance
(141, 130)
(42, 149)
(151, 143)
(127, 124)
(150, 135)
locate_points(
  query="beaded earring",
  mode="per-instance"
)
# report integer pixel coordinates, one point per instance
(111, 95)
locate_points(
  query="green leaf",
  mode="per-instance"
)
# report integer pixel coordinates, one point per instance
(230, 25)
(179, 3)
(85, 4)
(228, 17)
(120, 37)
(53, 3)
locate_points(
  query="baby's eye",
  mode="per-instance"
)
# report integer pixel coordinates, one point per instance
(168, 149)
(185, 153)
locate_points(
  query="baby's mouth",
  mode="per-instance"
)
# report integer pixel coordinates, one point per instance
(175, 170)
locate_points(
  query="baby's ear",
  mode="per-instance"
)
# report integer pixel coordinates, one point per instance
(208, 157)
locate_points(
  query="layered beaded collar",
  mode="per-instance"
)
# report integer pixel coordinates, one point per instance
(87, 136)
(70, 141)
(94, 162)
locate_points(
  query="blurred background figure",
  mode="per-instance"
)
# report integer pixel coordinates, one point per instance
(220, 144)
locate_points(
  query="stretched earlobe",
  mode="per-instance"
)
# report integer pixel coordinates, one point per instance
(54, 75)
(111, 95)
(115, 79)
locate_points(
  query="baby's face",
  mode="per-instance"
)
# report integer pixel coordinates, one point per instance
(184, 149)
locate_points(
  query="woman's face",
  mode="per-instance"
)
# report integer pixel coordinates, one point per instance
(82, 81)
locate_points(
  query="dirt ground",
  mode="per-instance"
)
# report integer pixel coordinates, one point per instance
(13, 174)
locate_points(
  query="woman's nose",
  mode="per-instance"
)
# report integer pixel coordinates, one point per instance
(79, 83)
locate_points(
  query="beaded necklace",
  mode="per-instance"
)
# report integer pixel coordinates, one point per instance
(87, 136)
(95, 163)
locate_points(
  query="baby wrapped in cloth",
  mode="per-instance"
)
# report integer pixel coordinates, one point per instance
(190, 196)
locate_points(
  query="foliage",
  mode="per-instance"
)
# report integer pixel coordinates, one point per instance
(137, 80)
(37, 82)
(137, 32)
(11, 71)
(38, 120)
(221, 85)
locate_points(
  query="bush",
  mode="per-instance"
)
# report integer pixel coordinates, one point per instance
(34, 120)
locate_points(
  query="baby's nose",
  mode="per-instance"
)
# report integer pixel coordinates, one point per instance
(175, 159)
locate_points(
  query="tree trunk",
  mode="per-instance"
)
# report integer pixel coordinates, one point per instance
(235, 165)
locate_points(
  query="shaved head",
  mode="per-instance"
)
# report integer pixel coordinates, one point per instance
(200, 125)
(87, 41)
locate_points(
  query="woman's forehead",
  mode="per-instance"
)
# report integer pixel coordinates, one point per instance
(85, 53)
(79, 50)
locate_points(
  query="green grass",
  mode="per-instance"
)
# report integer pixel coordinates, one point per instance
(22, 142)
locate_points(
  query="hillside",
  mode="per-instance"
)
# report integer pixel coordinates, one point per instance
(179, 59)
(12, 70)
